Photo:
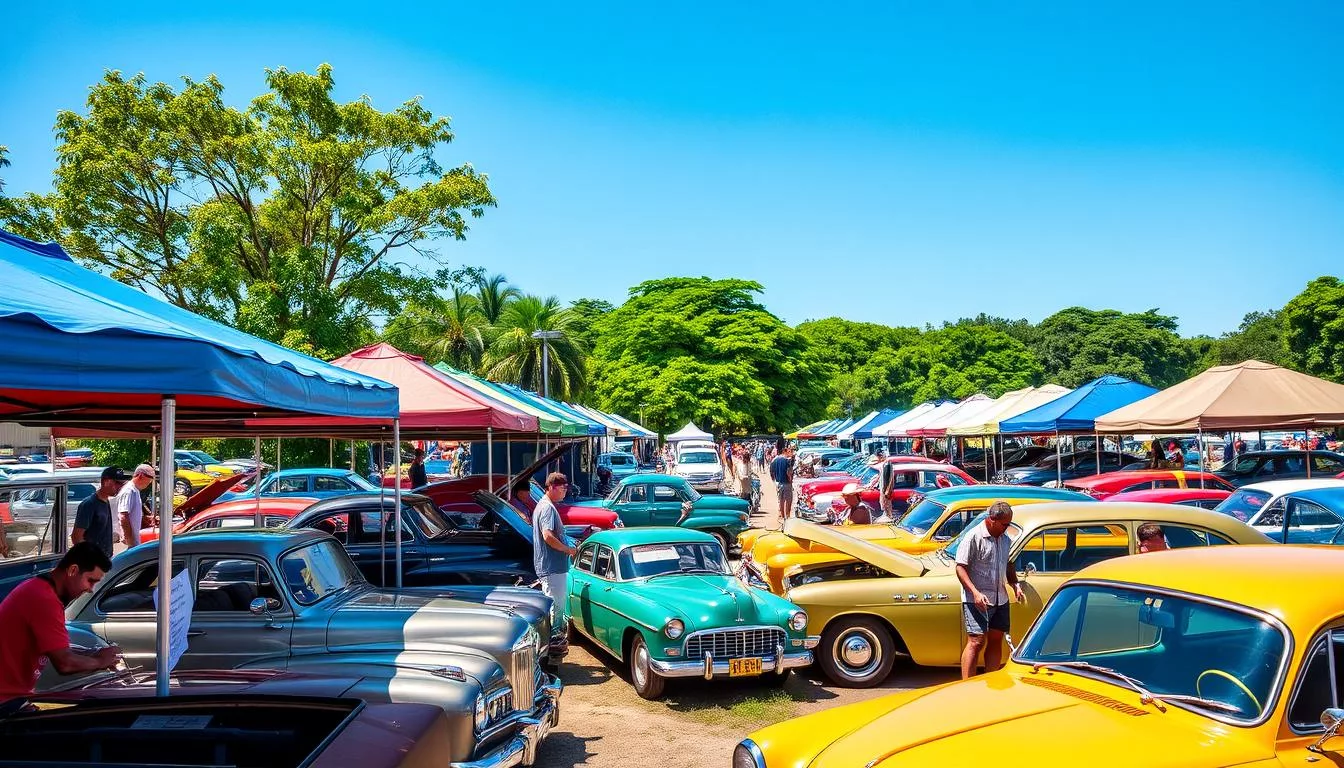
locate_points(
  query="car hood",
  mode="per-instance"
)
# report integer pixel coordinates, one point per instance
(709, 601)
(824, 484)
(1042, 719)
(389, 619)
(719, 502)
(889, 560)
(210, 494)
(528, 603)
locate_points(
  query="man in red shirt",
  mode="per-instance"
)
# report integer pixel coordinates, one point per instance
(32, 623)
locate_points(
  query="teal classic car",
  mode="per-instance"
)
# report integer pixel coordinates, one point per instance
(663, 601)
(650, 499)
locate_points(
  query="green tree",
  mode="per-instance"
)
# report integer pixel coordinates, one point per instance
(1077, 345)
(4, 163)
(584, 314)
(439, 329)
(515, 357)
(493, 294)
(1313, 323)
(705, 350)
(857, 358)
(1259, 337)
(282, 219)
(961, 360)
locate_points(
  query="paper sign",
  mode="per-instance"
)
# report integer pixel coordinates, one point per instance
(180, 602)
(654, 555)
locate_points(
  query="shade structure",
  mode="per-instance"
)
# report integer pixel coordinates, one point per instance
(835, 428)
(816, 430)
(884, 416)
(689, 432)
(906, 429)
(937, 424)
(1249, 395)
(797, 433)
(1009, 405)
(848, 432)
(557, 409)
(637, 429)
(547, 422)
(1078, 410)
(972, 414)
(83, 350)
(896, 427)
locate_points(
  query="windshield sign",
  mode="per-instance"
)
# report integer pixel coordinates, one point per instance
(1154, 643)
(318, 570)
(655, 559)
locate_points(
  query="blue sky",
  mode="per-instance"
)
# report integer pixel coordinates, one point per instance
(905, 163)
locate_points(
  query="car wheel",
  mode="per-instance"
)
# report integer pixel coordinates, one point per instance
(648, 684)
(723, 540)
(181, 487)
(856, 652)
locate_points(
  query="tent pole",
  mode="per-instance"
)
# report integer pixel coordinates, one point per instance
(382, 507)
(162, 634)
(278, 439)
(396, 490)
(331, 451)
(1097, 439)
(490, 457)
(1199, 445)
(508, 460)
(1059, 463)
(352, 455)
(256, 481)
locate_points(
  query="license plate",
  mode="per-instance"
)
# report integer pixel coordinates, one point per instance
(744, 667)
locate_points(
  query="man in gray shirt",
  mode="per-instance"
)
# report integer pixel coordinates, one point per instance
(551, 550)
(93, 516)
(982, 568)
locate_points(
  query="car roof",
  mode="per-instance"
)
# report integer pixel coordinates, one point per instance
(629, 537)
(325, 471)
(981, 490)
(1323, 494)
(1072, 512)
(362, 498)
(1182, 494)
(1122, 474)
(1289, 452)
(652, 477)
(1256, 576)
(1280, 487)
(240, 540)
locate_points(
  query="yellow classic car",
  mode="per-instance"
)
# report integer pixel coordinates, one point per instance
(932, 522)
(1192, 658)
(872, 603)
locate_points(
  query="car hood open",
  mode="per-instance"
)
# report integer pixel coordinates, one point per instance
(1045, 719)
(388, 619)
(208, 495)
(889, 560)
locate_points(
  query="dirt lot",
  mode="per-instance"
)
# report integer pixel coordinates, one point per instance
(604, 724)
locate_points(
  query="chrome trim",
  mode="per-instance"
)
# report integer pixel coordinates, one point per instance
(757, 758)
(720, 668)
(1326, 639)
(1276, 688)
(533, 728)
(779, 654)
(700, 635)
(811, 641)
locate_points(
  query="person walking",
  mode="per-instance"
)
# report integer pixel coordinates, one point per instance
(93, 516)
(886, 482)
(129, 506)
(550, 557)
(982, 568)
(419, 478)
(744, 471)
(781, 471)
(32, 623)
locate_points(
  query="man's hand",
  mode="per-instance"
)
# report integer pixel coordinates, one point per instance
(981, 601)
(1017, 593)
(109, 657)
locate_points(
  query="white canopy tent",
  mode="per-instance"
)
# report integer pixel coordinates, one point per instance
(848, 432)
(937, 424)
(689, 432)
(896, 427)
(904, 430)
(973, 414)
(1011, 404)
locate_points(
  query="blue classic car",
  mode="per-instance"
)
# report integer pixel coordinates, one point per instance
(318, 483)
(622, 465)
(1305, 516)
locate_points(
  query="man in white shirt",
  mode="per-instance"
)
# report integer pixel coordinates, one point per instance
(128, 507)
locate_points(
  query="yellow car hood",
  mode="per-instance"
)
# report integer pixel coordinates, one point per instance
(1038, 719)
(890, 560)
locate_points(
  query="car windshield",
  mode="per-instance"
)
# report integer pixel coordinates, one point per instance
(654, 559)
(318, 570)
(1243, 503)
(698, 457)
(621, 460)
(949, 550)
(203, 457)
(428, 519)
(920, 519)
(866, 475)
(360, 482)
(1212, 658)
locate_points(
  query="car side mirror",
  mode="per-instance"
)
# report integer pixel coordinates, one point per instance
(1029, 569)
(1332, 718)
(263, 606)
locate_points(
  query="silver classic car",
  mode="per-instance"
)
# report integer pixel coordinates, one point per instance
(293, 600)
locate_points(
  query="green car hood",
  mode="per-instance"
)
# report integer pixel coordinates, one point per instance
(711, 602)
(718, 503)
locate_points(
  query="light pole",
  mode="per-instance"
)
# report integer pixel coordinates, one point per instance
(546, 337)
(642, 406)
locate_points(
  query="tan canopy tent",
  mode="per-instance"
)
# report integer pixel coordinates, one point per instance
(1249, 395)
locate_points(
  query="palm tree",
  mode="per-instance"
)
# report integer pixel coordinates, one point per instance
(4, 161)
(492, 296)
(515, 357)
(448, 330)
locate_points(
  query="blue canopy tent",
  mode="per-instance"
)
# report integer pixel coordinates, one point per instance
(85, 350)
(1077, 412)
(883, 416)
(836, 428)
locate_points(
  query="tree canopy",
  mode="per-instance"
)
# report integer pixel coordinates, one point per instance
(1314, 328)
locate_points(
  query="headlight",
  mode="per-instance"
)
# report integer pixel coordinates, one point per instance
(482, 715)
(798, 621)
(674, 628)
(748, 755)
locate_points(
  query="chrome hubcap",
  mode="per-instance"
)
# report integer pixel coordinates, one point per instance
(641, 666)
(857, 652)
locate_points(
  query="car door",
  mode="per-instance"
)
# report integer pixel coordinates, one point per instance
(665, 503)
(375, 540)
(608, 625)
(1306, 522)
(292, 485)
(902, 485)
(632, 505)
(1320, 686)
(1049, 557)
(224, 633)
(580, 598)
(122, 612)
(32, 544)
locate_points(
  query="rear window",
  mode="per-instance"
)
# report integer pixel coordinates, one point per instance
(1243, 504)
(622, 461)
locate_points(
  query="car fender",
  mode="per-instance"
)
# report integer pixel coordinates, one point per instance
(714, 520)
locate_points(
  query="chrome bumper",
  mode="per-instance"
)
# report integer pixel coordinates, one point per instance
(711, 668)
(532, 730)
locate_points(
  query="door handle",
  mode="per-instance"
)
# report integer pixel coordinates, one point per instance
(275, 626)
(196, 633)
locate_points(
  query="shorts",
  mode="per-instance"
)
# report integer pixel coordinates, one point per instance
(976, 620)
(785, 499)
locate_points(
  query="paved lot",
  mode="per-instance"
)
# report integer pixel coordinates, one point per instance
(604, 724)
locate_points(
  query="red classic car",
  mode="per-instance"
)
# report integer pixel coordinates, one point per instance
(910, 477)
(237, 514)
(827, 483)
(1109, 483)
(1205, 498)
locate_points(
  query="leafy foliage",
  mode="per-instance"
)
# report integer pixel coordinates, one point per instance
(1077, 345)
(1259, 337)
(1313, 324)
(514, 356)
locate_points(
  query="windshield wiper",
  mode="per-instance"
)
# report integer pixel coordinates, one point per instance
(682, 572)
(1145, 696)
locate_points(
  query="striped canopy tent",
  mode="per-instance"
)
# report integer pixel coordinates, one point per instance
(848, 432)
(896, 427)
(836, 428)
(614, 426)
(548, 422)
(818, 430)
(883, 417)
(937, 425)
(797, 433)
(637, 429)
(973, 413)
(908, 428)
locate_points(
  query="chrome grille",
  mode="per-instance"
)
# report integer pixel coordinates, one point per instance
(734, 643)
(523, 676)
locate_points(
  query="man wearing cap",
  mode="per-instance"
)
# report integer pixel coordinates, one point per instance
(855, 511)
(886, 480)
(93, 516)
(128, 506)
(551, 550)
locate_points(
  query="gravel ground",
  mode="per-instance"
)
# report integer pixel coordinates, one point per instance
(604, 724)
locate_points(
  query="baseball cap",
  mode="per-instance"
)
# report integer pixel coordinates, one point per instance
(146, 470)
(850, 489)
(115, 473)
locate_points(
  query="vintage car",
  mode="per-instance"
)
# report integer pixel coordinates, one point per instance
(1109, 483)
(910, 478)
(621, 464)
(1260, 466)
(1204, 498)
(227, 722)
(275, 512)
(806, 488)
(318, 483)
(878, 602)
(649, 499)
(935, 520)
(293, 600)
(1069, 466)
(663, 602)
(1262, 504)
(1291, 511)
(700, 467)
(1185, 659)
